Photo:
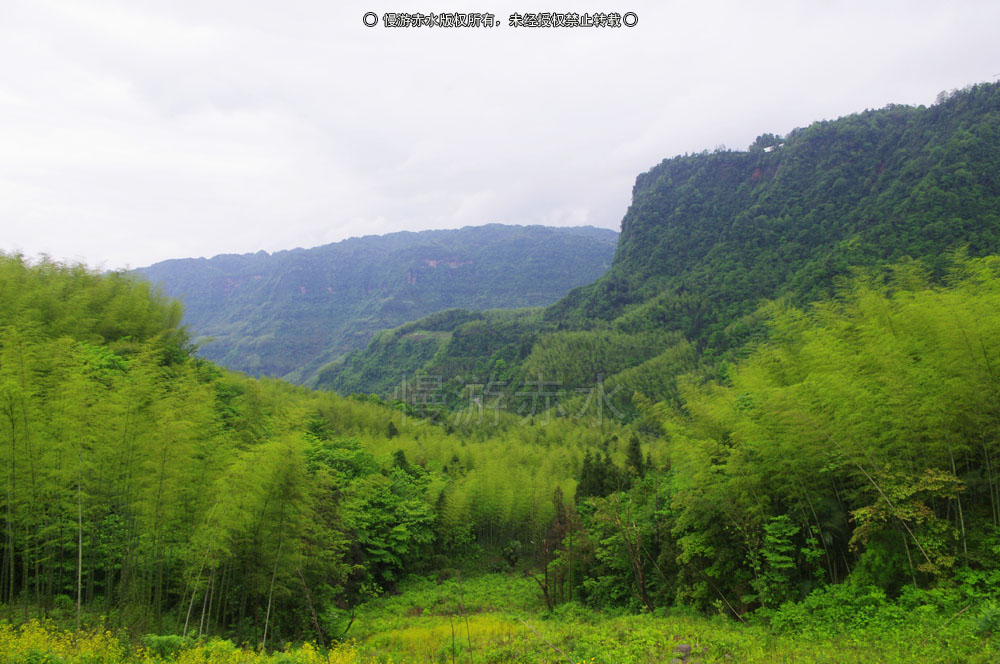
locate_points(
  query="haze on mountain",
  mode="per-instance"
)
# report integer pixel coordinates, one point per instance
(291, 312)
(709, 235)
(796, 426)
(135, 132)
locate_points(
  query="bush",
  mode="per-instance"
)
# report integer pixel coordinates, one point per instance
(988, 622)
(835, 609)
(167, 646)
(37, 657)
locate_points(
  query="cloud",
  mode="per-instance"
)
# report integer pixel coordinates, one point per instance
(138, 131)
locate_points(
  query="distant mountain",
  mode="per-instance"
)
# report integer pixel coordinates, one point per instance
(709, 235)
(288, 313)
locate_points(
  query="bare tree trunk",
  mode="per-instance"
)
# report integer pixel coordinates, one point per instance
(634, 548)
(79, 550)
(206, 603)
(958, 501)
(312, 611)
(270, 595)
(194, 593)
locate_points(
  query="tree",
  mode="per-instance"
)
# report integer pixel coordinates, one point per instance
(634, 460)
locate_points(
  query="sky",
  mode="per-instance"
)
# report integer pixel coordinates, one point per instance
(136, 131)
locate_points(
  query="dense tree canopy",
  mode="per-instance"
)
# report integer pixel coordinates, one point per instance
(710, 235)
(289, 313)
(145, 483)
(683, 443)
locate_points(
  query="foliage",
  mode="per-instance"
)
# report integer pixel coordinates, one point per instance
(40, 643)
(151, 486)
(292, 312)
(495, 632)
(861, 431)
(833, 483)
(471, 348)
(708, 236)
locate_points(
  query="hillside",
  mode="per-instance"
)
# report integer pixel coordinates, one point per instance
(709, 235)
(826, 492)
(834, 494)
(712, 233)
(137, 475)
(287, 313)
(473, 344)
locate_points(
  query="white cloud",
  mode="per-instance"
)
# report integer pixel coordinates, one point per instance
(131, 132)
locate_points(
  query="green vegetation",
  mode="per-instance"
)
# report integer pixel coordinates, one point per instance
(856, 446)
(289, 313)
(495, 618)
(710, 235)
(809, 481)
(152, 487)
(834, 490)
(470, 347)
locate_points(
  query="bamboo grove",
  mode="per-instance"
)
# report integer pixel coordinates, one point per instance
(152, 487)
(855, 446)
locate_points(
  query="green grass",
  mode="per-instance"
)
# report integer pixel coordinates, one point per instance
(499, 618)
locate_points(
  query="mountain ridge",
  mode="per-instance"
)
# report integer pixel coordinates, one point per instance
(289, 312)
(708, 236)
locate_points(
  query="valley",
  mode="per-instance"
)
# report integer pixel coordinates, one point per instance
(794, 351)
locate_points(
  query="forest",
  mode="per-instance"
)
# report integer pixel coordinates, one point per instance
(821, 485)
(849, 459)
(289, 313)
(708, 236)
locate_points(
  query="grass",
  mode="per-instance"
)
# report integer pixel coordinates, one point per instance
(499, 618)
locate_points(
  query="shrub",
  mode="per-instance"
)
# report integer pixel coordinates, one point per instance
(166, 646)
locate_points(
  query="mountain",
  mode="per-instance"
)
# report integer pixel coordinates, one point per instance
(288, 313)
(464, 345)
(718, 231)
(825, 473)
(708, 236)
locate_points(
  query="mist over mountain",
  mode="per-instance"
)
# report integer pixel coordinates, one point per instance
(288, 313)
(784, 386)
(708, 236)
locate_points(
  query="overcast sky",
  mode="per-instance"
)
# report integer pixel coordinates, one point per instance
(134, 131)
